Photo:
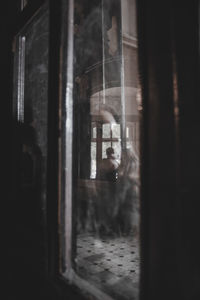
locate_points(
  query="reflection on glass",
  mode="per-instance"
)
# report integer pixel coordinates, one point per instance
(106, 93)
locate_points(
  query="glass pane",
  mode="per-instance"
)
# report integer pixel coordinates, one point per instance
(116, 131)
(31, 109)
(106, 99)
(93, 160)
(94, 132)
(106, 131)
(127, 132)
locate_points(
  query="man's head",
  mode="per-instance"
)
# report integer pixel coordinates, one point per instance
(110, 151)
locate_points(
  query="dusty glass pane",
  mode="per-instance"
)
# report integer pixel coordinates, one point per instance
(106, 93)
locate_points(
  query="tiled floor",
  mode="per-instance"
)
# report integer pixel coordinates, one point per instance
(111, 264)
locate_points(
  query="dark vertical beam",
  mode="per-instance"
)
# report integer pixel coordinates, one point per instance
(158, 168)
(7, 18)
(143, 147)
(53, 136)
(186, 47)
(168, 35)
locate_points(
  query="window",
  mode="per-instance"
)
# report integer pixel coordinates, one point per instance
(99, 158)
(99, 116)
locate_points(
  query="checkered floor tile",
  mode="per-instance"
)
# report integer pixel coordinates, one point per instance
(111, 264)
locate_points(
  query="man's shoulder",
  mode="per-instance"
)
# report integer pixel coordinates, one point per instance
(115, 162)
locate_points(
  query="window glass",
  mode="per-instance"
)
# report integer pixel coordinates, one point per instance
(115, 130)
(107, 130)
(31, 116)
(106, 218)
